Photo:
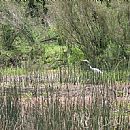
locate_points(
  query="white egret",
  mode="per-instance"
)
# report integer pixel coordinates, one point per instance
(96, 70)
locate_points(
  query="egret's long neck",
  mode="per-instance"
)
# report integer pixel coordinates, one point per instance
(90, 66)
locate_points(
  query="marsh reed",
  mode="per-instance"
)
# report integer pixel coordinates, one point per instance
(64, 99)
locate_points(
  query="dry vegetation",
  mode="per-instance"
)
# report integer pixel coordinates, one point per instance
(41, 102)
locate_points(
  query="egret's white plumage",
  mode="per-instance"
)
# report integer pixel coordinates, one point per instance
(96, 70)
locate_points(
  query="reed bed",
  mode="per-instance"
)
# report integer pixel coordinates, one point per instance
(64, 99)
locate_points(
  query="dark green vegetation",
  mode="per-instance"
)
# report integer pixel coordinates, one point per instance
(44, 83)
(92, 30)
(99, 30)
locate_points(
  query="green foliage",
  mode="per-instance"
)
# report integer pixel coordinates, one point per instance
(17, 36)
(13, 71)
(8, 37)
(37, 53)
(76, 55)
(35, 7)
(101, 31)
(54, 55)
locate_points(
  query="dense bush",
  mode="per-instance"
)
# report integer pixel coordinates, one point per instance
(100, 28)
(18, 35)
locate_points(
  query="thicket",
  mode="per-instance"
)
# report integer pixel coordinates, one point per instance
(21, 32)
(99, 28)
(93, 30)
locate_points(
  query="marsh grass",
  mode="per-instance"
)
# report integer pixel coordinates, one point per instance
(65, 99)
